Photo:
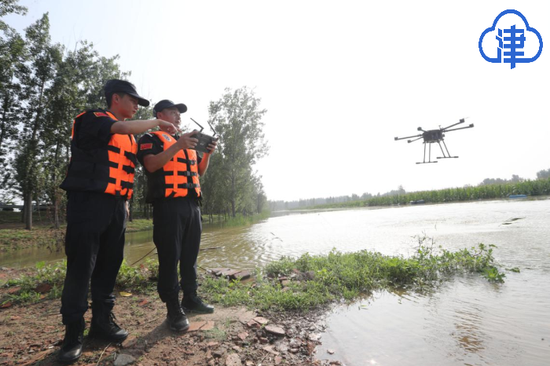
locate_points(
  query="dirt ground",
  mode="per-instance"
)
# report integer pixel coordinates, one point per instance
(32, 334)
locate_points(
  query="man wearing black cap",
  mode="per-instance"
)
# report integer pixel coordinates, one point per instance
(99, 182)
(173, 168)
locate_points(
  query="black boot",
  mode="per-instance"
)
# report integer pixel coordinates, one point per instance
(192, 303)
(71, 349)
(103, 322)
(177, 320)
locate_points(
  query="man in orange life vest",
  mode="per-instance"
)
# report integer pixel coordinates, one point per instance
(99, 182)
(173, 168)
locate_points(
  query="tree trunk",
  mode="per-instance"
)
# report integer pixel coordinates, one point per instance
(4, 127)
(56, 212)
(55, 195)
(232, 198)
(27, 201)
(27, 207)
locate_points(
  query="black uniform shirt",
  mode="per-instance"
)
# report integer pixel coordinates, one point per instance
(93, 130)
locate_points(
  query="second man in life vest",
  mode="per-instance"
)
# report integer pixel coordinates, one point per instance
(173, 169)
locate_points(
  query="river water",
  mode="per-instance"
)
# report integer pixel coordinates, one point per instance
(468, 321)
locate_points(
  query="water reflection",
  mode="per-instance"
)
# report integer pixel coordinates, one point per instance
(465, 322)
(468, 333)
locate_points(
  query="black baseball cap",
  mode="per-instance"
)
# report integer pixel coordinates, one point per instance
(165, 103)
(122, 86)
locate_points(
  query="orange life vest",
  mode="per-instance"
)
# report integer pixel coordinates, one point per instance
(179, 174)
(109, 169)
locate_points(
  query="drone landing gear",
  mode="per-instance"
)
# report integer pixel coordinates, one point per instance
(445, 152)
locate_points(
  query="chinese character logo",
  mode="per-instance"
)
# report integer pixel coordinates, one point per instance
(510, 40)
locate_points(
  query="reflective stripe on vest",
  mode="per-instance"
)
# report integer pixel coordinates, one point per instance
(122, 163)
(180, 173)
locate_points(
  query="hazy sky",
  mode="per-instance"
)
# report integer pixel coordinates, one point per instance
(339, 79)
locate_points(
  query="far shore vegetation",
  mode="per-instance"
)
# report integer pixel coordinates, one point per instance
(489, 189)
(13, 234)
(305, 283)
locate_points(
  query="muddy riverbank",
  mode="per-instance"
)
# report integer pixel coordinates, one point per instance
(31, 334)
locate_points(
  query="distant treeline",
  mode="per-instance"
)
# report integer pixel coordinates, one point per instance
(493, 191)
(489, 189)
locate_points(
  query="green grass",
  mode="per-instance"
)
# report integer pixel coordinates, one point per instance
(15, 235)
(13, 239)
(216, 334)
(40, 235)
(349, 276)
(140, 278)
(139, 225)
(239, 219)
(311, 281)
(42, 218)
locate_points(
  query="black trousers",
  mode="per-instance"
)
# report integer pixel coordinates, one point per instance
(177, 229)
(94, 245)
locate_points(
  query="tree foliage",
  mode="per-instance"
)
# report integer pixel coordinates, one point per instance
(543, 174)
(38, 72)
(43, 86)
(231, 184)
(12, 52)
(9, 7)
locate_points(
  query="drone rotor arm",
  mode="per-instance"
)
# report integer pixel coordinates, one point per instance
(460, 128)
(408, 137)
(454, 124)
(416, 139)
(462, 120)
